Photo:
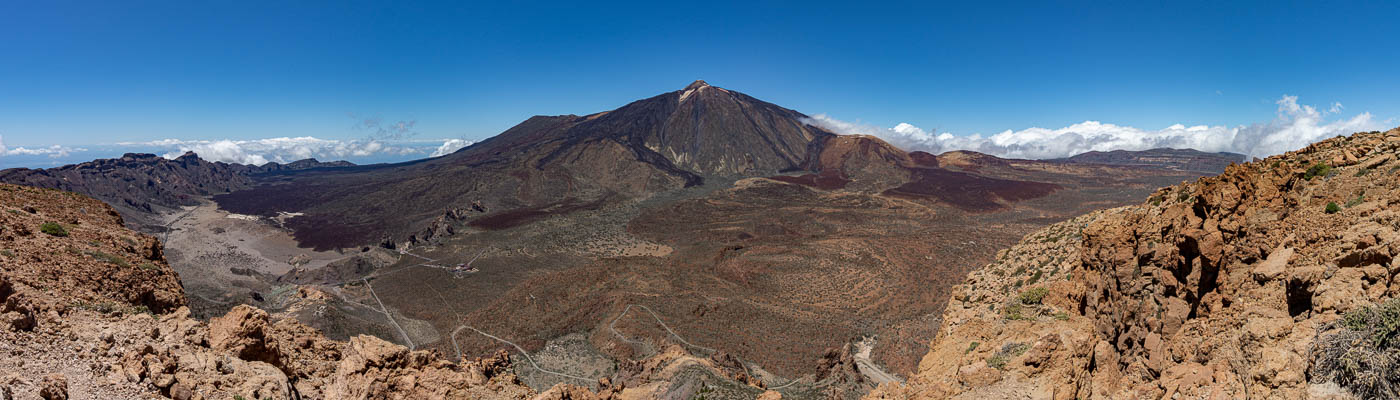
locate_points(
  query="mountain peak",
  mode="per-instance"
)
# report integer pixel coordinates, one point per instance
(696, 85)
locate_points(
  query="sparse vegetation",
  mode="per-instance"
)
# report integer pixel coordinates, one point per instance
(1035, 277)
(1356, 201)
(972, 346)
(146, 266)
(108, 307)
(1007, 352)
(1332, 208)
(703, 393)
(1363, 172)
(1319, 169)
(1017, 312)
(1033, 295)
(54, 229)
(110, 259)
(1062, 316)
(1361, 352)
(7, 253)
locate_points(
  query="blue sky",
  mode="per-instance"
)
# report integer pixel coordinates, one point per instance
(88, 75)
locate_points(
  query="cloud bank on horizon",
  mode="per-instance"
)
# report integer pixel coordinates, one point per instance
(288, 149)
(54, 151)
(1295, 126)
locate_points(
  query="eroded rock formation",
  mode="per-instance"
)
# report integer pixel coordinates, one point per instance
(1218, 288)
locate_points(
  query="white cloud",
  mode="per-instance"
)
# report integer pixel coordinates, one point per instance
(449, 146)
(281, 150)
(1294, 127)
(54, 151)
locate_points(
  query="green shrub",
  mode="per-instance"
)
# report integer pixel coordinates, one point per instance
(1363, 172)
(146, 266)
(971, 346)
(1332, 208)
(1380, 322)
(1319, 169)
(1062, 316)
(1033, 295)
(53, 229)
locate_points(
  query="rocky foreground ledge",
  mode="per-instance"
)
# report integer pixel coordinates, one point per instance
(91, 310)
(1274, 280)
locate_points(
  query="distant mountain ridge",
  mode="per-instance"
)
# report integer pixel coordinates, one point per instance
(137, 184)
(1176, 159)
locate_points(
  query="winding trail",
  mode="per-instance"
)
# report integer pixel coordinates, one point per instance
(517, 348)
(458, 348)
(385, 310)
(165, 236)
(613, 327)
(868, 367)
(863, 363)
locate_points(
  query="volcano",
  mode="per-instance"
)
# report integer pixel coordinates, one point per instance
(547, 164)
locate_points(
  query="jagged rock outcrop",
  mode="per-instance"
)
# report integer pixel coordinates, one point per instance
(1221, 288)
(444, 225)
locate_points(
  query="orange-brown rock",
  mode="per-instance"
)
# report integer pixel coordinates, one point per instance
(86, 291)
(1212, 289)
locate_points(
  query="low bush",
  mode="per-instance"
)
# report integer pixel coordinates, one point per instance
(1014, 312)
(1319, 169)
(1332, 208)
(1007, 352)
(1033, 295)
(53, 229)
(1361, 352)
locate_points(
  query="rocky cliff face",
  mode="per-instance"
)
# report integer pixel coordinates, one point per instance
(1271, 280)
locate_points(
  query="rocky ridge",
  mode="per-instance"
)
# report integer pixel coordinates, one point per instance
(91, 310)
(139, 185)
(1234, 286)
